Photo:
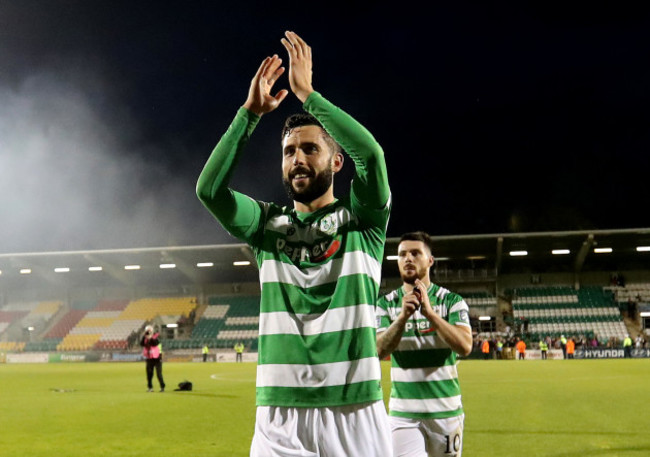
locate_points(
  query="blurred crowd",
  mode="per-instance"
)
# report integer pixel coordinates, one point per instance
(508, 346)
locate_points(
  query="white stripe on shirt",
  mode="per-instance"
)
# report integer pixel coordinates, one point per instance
(321, 375)
(428, 374)
(429, 405)
(332, 320)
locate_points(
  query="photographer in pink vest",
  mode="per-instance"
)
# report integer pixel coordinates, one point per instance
(151, 353)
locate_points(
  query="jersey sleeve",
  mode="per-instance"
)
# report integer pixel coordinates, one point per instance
(239, 214)
(458, 311)
(370, 194)
(382, 315)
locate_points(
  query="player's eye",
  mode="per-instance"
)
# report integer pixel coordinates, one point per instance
(310, 148)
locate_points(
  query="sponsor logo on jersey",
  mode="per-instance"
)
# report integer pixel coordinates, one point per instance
(316, 253)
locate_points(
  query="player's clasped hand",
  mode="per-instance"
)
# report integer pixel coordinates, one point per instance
(410, 304)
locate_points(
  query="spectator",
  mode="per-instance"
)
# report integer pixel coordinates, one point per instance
(631, 309)
(510, 346)
(485, 349)
(638, 342)
(549, 341)
(563, 346)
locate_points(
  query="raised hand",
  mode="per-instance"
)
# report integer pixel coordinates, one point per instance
(260, 101)
(300, 65)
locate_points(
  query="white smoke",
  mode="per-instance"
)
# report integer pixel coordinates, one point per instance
(75, 174)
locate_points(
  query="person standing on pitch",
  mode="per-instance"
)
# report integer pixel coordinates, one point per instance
(239, 350)
(153, 358)
(521, 349)
(318, 375)
(423, 326)
(543, 347)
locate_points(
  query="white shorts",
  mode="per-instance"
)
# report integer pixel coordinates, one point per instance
(427, 437)
(351, 430)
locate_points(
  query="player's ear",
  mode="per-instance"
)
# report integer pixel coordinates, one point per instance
(431, 260)
(337, 162)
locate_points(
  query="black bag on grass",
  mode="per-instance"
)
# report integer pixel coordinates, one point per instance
(185, 385)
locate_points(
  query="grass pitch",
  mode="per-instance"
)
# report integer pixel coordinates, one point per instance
(513, 409)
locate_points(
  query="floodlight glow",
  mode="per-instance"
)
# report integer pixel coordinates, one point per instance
(95, 268)
(518, 253)
(392, 257)
(132, 267)
(61, 270)
(560, 252)
(172, 325)
(645, 314)
(25, 271)
(166, 266)
(643, 248)
(241, 263)
(471, 257)
(204, 264)
(603, 250)
(30, 328)
(484, 318)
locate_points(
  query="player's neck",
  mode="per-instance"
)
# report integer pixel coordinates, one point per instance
(309, 207)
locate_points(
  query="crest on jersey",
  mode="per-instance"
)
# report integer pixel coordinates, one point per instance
(329, 225)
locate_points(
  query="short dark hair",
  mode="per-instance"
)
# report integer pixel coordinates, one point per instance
(419, 236)
(303, 119)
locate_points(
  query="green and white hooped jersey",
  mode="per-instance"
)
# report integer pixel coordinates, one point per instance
(320, 274)
(424, 379)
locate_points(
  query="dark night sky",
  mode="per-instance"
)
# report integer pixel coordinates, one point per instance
(493, 118)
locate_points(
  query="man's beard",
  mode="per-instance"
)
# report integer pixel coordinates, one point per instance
(412, 276)
(316, 188)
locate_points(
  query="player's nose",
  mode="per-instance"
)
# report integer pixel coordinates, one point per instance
(299, 157)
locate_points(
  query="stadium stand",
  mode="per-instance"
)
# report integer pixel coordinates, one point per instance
(15, 317)
(224, 322)
(148, 308)
(9, 317)
(242, 322)
(111, 323)
(639, 292)
(480, 303)
(65, 324)
(561, 310)
(11, 346)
